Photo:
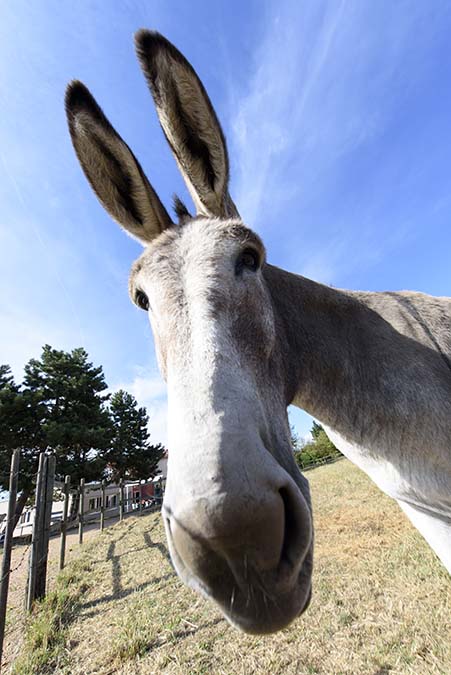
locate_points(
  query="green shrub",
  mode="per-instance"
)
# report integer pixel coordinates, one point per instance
(316, 450)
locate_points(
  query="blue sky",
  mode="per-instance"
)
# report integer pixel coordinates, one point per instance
(338, 119)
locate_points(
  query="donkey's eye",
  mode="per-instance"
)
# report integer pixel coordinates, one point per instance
(142, 300)
(248, 259)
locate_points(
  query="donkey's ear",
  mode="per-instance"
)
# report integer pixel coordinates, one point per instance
(189, 123)
(112, 169)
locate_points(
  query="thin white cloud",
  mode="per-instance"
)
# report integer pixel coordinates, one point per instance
(158, 421)
(23, 335)
(267, 117)
(149, 389)
(325, 77)
(145, 386)
(325, 82)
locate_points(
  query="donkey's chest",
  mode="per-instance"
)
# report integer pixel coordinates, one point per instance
(422, 490)
(405, 476)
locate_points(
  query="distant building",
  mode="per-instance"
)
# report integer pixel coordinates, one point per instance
(136, 494)
(25, 525)
(163, 465)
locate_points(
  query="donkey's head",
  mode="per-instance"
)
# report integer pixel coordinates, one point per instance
(236, 509)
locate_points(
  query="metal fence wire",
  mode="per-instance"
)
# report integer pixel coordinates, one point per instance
(42, 528)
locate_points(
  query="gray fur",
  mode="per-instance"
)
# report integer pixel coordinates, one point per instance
(239, 341)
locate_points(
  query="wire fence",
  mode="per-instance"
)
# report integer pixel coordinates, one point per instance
(82, 506)
(329, 459)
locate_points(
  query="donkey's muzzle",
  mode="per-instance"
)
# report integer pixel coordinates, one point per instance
(250, 553)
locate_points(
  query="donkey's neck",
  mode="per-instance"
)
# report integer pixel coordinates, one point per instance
(349, 367)
(317, 326)
(380, 386)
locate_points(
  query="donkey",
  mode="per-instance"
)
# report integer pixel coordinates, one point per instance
(238, 340)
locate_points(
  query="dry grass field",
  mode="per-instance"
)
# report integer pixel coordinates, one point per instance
(381, 604)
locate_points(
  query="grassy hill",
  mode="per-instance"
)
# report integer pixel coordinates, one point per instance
(381, 604)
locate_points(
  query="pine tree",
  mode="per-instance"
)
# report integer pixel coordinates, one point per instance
(74, 419)
(10, 418)
(130, 454)
(19, 428)
(296, 442)
(316, 430)
(318, 448)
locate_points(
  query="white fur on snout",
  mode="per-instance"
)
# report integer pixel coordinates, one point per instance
(210, 396)
(223, 502)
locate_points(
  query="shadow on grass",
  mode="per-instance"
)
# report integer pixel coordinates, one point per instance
(116, 573)
(182, 634)
(123, 593)
(117, 592)
(158, 545)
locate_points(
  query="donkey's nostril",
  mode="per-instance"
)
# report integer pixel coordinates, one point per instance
(286, 553)
(296, 536)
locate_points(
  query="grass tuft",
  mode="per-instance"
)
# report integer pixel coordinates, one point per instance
(45, 644)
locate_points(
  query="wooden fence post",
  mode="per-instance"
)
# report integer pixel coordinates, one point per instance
(81, 510)
(6, 561)
(102, 508)
(121, 500)
(140, 499)
(64, 522)
(37, 532)
(43, 550)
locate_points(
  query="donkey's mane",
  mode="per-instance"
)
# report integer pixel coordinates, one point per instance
(180, 209)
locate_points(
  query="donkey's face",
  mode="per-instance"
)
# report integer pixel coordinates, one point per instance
(236, 509)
